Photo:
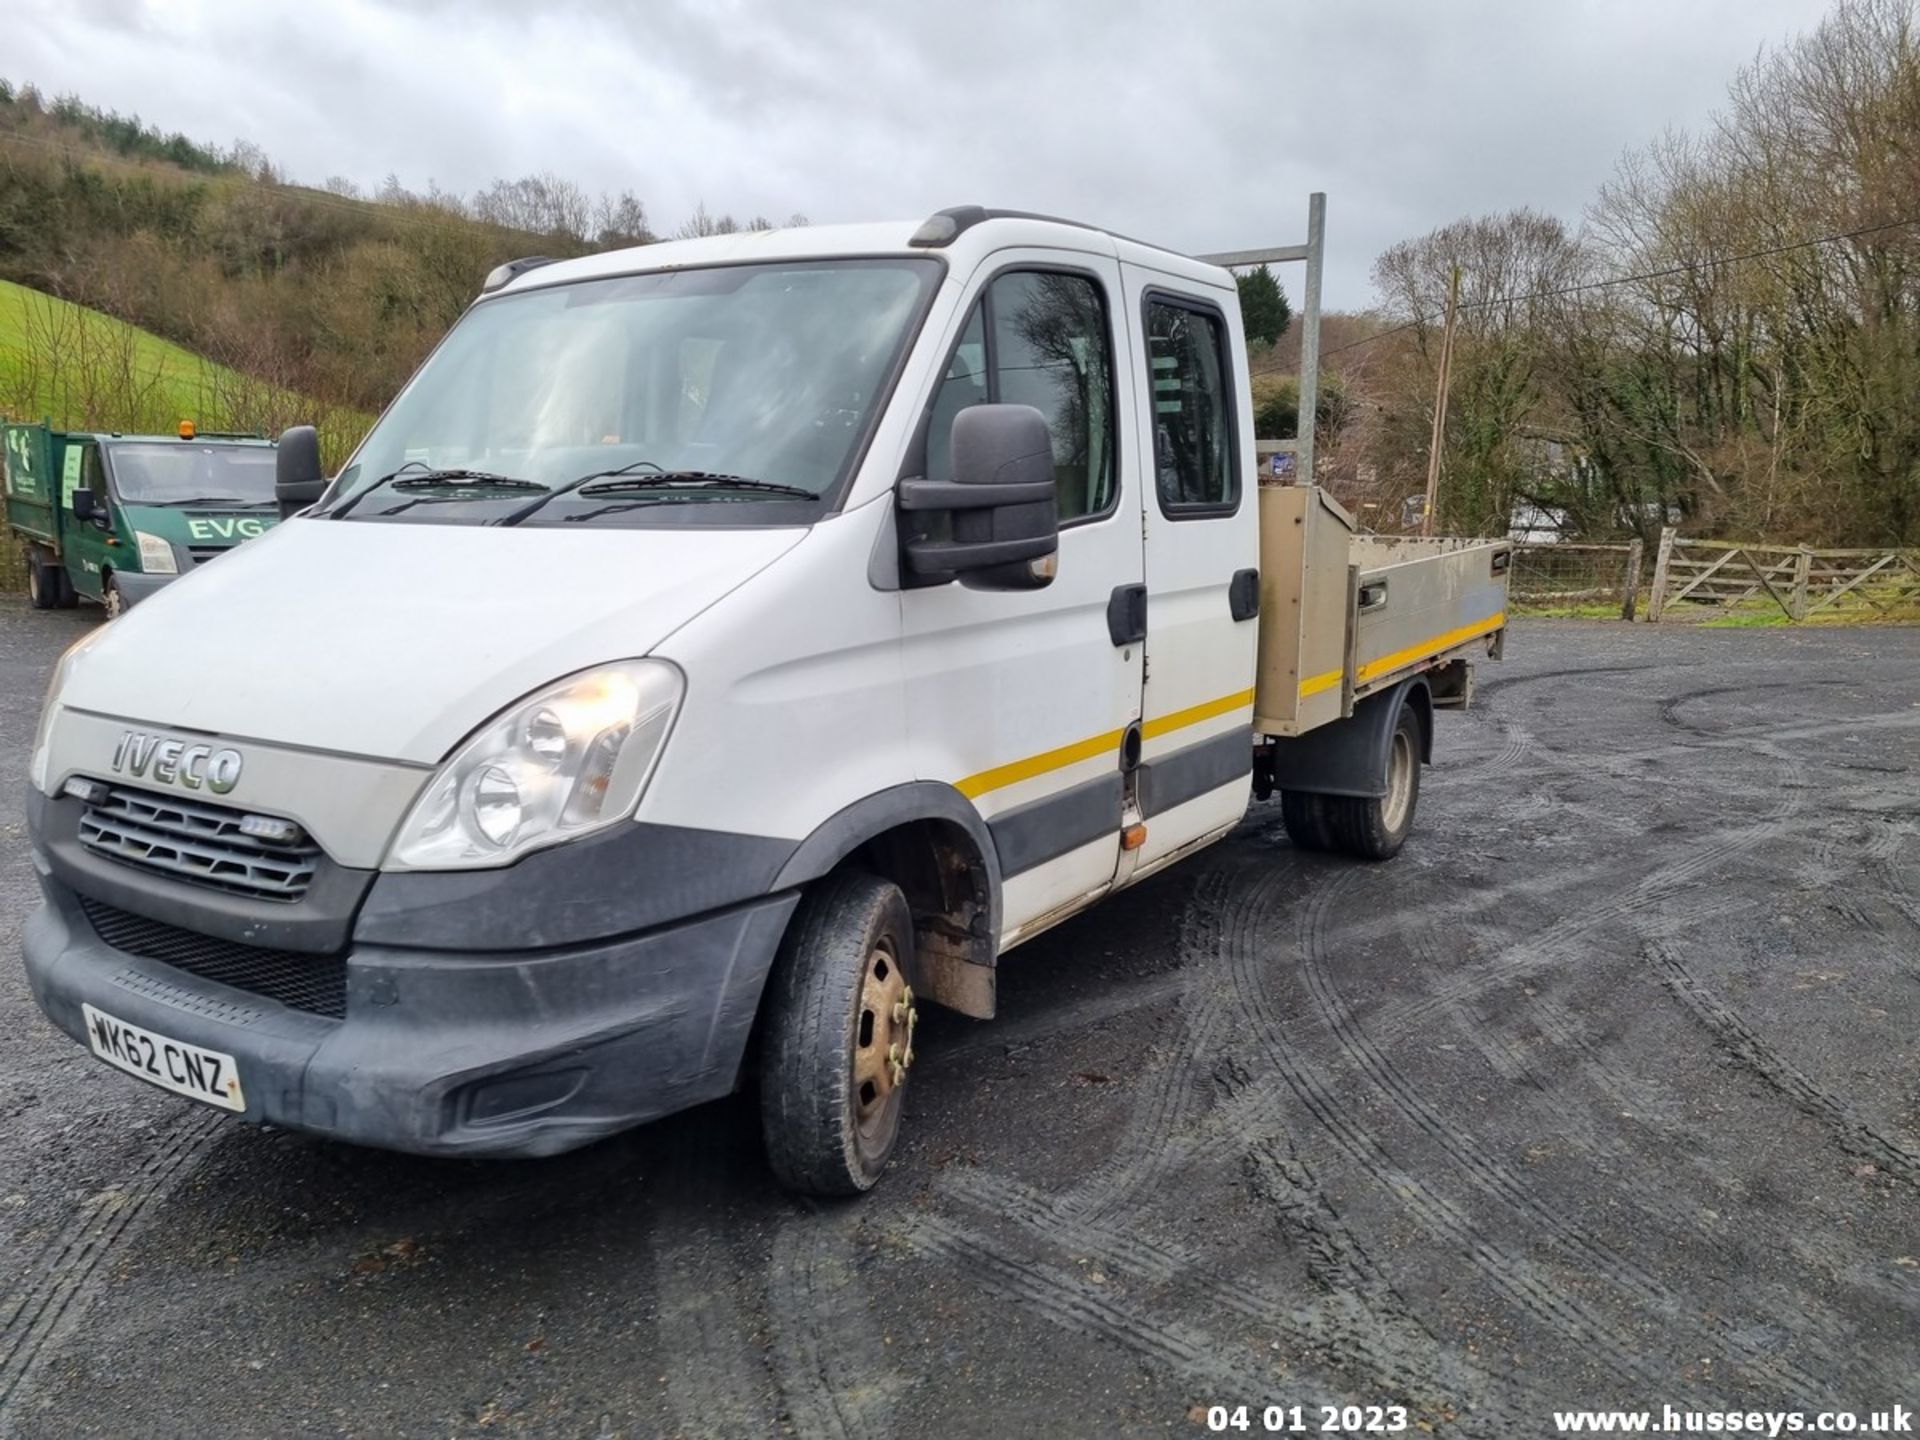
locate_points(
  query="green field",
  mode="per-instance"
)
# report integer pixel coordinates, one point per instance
(85, 370)
(103, 365)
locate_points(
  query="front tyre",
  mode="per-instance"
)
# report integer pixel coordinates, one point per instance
(839, 1036)
(1376, 828)
(111, 597)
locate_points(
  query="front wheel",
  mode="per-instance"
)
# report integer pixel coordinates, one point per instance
(115, 602)
(1376, 828)
(839, 1036)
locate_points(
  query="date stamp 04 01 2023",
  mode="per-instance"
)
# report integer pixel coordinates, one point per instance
(1308, 1419)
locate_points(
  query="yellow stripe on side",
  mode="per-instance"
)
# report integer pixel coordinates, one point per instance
(1012, 773)
(974, 786)
(1194, 714)
(1313, 685)
(1430, 647)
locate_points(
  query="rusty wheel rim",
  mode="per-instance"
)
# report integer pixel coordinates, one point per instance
(882, 1046)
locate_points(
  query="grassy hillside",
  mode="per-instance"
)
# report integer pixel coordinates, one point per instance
(62, 360)
(85, 370)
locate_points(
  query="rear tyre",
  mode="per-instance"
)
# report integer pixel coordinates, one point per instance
(1375, 829)
(839, 1036)
(1309, 825)
(43, 584)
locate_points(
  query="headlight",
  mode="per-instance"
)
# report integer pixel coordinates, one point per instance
(37, 758)
(566, 760)
(156, 555)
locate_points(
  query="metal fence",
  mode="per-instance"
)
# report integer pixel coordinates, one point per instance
(1552, 577)
(1704, 579)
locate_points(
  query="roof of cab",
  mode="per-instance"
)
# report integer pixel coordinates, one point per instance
(974, 233)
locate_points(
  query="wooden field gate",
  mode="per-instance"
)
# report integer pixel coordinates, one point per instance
(1722, 576)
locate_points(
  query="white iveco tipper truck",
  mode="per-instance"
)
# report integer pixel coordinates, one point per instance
(718, 650)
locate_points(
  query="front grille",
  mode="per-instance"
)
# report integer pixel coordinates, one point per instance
(316, 984)
(193, 840)
(203, 553)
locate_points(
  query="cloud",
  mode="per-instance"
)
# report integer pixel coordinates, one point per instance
(1201, 126)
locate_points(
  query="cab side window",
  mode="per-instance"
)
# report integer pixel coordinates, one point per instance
(1040, 338)
(1193, 440)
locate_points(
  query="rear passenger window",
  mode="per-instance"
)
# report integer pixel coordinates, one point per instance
(1040, 338)
(1193, 439)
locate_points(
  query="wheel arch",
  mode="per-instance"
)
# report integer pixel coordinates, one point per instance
(928, 839)
(1349, 756)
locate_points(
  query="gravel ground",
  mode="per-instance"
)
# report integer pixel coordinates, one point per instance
(1603, 1093)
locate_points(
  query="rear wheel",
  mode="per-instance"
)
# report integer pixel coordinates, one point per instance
(1308, 822)
(43, 585)
(1376, 828)
(839, 1036)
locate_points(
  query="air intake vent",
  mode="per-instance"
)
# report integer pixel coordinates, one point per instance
(194, 841)
(316, 984)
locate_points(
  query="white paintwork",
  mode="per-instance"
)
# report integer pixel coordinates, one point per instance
(349, 658)
(1196, 656)
(395, 641)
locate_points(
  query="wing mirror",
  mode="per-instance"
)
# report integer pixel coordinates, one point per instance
(1003, 513)
(84, 507)
(297, 479)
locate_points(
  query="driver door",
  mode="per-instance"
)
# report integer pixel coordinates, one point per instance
(85, 542)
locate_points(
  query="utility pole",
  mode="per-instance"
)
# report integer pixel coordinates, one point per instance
(1440, 403)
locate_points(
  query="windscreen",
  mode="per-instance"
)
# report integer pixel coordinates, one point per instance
(765, 373)
(185, 473)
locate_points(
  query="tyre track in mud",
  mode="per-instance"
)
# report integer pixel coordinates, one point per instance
(831, 1364)
(717, 1377)
(1149, 1145)
(1356, 1325)
(1551, 947)
(1743, 1047)
(1361, 1328)
(1511, 1061)
(1076, 1304)
(61, 1282)
(1540, 1298)
(1491, 1176)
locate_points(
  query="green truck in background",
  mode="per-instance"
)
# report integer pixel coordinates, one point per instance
(112, 518)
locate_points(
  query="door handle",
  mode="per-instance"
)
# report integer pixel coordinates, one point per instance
(1243, 594)
(1127, 614)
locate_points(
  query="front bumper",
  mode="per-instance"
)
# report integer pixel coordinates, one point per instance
(489, 1052)
(137, 585)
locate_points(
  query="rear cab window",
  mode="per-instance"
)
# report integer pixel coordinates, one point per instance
(1189, 369)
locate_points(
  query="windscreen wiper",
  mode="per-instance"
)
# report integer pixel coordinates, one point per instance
(516, 516)
(231, 501)
(416, 475)
(645, 475)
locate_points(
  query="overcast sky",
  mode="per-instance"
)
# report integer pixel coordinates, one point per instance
(1197, 125)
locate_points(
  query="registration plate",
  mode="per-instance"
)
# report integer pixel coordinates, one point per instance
(171, 1064)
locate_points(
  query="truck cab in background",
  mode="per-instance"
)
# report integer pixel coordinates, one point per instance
(112, 518)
